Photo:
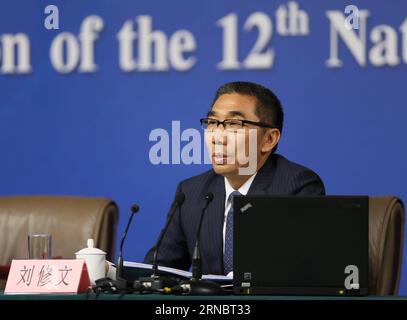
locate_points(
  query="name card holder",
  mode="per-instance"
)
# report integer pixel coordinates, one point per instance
(48, 277)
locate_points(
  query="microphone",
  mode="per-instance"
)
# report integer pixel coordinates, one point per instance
(197, 286)
(107, 284)
(155, 282)
(179, 200)
(119, 271)
(196, 257)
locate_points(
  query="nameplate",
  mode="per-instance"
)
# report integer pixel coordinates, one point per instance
(47, 277)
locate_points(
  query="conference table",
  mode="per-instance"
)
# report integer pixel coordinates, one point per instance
(154, 296)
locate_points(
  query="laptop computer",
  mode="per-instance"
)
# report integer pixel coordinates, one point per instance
(301, 245)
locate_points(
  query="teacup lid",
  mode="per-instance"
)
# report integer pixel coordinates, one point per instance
(90, 249)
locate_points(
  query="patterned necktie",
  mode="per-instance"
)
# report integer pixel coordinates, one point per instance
(228, 255)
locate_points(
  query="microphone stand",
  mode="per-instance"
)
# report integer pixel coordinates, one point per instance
(156, 282)
(120, 284)
(196, 285)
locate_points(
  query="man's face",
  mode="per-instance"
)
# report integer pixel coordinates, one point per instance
(232, 153)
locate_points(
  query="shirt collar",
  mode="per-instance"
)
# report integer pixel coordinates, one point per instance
(244, 189)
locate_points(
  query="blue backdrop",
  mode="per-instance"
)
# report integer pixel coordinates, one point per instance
(76, 112)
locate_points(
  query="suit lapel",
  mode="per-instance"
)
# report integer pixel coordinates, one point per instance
(263, 178)
(212, 227)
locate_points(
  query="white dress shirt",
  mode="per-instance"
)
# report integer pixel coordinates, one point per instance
(244, 189)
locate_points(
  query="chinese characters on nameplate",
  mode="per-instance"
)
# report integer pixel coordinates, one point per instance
(47, 276)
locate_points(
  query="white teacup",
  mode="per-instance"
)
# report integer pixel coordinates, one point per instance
(95, 261)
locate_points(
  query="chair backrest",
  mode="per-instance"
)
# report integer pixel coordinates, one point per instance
(70, 221)
(386, 235)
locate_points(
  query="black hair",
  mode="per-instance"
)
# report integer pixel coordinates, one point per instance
(268, 107)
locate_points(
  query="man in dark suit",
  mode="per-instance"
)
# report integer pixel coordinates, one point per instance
(238, 110)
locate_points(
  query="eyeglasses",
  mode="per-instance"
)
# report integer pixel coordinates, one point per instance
(230, 124)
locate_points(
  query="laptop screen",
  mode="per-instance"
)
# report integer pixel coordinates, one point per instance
(295, 245)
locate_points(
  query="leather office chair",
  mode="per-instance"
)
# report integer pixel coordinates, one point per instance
(386, 235)
(70, 221)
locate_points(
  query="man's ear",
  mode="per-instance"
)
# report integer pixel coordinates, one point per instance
(270, 140)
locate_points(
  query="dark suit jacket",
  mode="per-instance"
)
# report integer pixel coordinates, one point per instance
(278, 176)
